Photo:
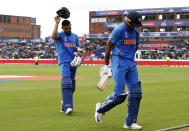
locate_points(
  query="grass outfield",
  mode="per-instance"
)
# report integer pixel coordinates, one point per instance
(27, 105)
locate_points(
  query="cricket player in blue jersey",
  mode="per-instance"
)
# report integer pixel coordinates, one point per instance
(123, 42)
(66, 48)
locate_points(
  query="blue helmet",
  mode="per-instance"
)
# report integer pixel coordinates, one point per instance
(135, 18)
(63, 12)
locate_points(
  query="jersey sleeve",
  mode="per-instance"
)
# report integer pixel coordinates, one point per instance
(115, 35)
(59, 44)
(59, 36)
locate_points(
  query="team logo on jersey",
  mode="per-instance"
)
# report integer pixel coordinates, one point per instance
(74, 38)
(126, 35)
(134, 35)
(65, 38)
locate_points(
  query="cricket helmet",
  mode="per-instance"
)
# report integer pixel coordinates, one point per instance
(135, 18)
(63, 12)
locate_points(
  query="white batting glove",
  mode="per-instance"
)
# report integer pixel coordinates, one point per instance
(110, 72)
(76, 61)
(106, 70)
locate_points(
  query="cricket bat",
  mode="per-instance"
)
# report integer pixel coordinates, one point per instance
(103, 82)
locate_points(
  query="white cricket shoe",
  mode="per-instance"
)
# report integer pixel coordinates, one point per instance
(133, 126)
(98, 116)
(68, 111)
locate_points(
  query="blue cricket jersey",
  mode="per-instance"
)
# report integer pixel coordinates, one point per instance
(66, 46)
(125, 41)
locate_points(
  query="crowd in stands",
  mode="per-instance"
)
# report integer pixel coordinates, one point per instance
(27, 50)
(93, 44)
(178, 50)
(45, 50)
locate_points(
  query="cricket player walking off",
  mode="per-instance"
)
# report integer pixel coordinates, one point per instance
(123, 42)
(66, 43)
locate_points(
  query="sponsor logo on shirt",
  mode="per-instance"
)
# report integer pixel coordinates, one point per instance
(69, 45)
(127, 42)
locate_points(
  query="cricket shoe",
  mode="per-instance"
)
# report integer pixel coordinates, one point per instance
(98, 116)
(68, 111)
(133, 126)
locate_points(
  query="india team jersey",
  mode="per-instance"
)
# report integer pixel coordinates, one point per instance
(125, 41)
(66, 46)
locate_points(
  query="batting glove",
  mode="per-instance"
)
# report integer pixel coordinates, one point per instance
(106, 70)
(76, 61)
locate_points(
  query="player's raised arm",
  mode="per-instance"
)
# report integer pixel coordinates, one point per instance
(55, 30)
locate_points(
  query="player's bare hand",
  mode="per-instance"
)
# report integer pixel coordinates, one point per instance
(57, 19)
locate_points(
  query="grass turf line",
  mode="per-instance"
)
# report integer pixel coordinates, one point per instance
(34, 105)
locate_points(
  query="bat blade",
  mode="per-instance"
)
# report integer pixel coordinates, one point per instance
(103, 82)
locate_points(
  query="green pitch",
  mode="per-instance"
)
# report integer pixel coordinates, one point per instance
(27, 105)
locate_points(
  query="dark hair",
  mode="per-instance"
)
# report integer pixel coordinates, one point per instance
(65, 22)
